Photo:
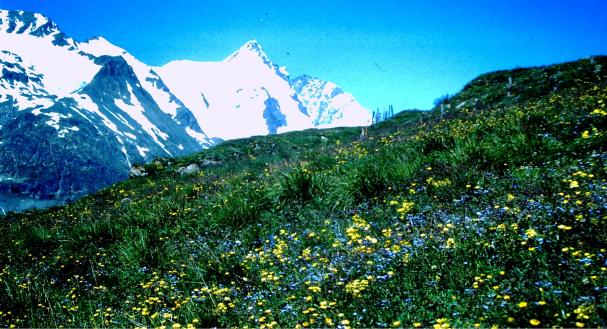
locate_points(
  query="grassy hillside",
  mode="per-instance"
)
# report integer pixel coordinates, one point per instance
(489, 210)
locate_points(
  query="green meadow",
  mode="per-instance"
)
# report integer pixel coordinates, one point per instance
(488, 211)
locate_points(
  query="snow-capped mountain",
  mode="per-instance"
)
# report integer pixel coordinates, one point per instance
(243, 95)
(75, 116)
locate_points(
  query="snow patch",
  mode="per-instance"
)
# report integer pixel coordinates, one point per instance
(123, 149)
(63, 132)
(123, 120)
(199, 137)
(142, 150)
(54, 119)
(40, 20)
(18, 24)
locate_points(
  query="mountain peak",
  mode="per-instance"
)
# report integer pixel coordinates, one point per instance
(252, 45)
(99, 46)
(25, 22)
(250, 50)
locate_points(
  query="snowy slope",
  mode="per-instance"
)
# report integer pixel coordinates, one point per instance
(64, 68)
(35, 40)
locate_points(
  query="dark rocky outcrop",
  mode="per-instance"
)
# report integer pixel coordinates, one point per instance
(46, 165)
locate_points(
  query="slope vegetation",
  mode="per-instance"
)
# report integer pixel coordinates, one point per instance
(488, 210)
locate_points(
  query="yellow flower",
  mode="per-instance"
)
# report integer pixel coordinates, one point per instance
(371, 239)
(579, 324)
(599, 112)
(574, 184)
(522, 304)
(450, 243)
(222, 308)
(357, 286)
(406, 207)
(396, 324)
(534, 322)
(314, 288)
(417, 324)
(585, 134)
(531, 233)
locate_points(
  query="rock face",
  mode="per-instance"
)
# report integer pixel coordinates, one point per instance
(137, 171)
(328, 105)
(46, 165)
(189, 170)
(77, 116)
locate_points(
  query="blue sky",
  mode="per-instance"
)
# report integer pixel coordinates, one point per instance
(404, 53)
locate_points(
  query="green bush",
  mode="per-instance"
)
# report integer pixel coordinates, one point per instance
(301, 185)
